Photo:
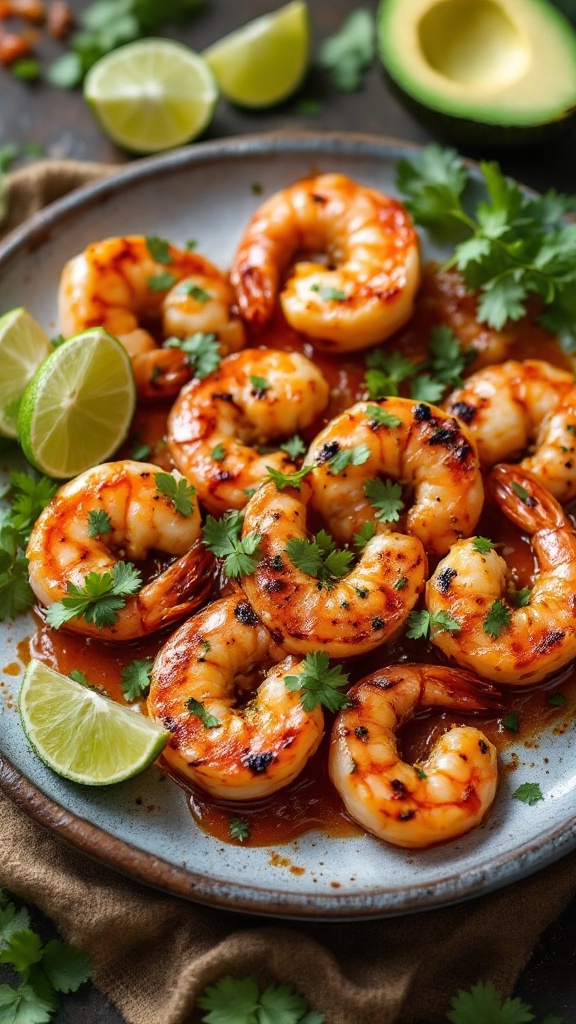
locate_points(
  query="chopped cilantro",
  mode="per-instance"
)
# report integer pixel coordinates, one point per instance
(422, 624)
(521, 492)
(512, 722)
(135, 680)
(348, 53)
(529, 793)
(364, 534)
(345, 457)
(159, 249)
(99, 600)
(283, 480)
(482, 545)
(294, 447)
(195, 707)
(193, 290)
(319, 684)
(239, 829)
(99, 523)
(222, 538)
(497, 619)
(178, 491)
(218, 453)
(319, 557)
(202, 350)
(386, 497)
(381, 417)
(328, 294)
(161, 282)
(260, 384)
(556, 700)
(522, 597)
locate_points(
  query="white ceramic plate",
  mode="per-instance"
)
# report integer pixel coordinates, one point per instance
(206, 192)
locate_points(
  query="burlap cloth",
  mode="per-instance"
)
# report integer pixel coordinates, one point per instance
(153, 954)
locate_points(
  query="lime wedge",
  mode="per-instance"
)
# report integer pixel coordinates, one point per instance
(78, 407)
(82, 734)
(151, 95)
(23, 346)
(265, 61)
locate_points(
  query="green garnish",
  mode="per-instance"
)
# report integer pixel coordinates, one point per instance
(159, 249)
(99, 600)
(202, 350)
(283, 480)
(497, 619)
(345, 457)
(294, 447)
(522, 597)
(239, 1001)
(222, 538)
(218, 453)
(319, 557)
(381, 418)
(482, 545)
(512, 722)
(364, 534)
(529, 793)
(260, 384)
(556, 700)
(99, 523)
(195, 707)
(521, 492)
(386, 497)
(161, 282)
(319, 684)
(423, 623)
(200, 294)
(348, 53)
(239, 829)
(328, 294)
(135, 680)
(179, 492)
(483, 1004)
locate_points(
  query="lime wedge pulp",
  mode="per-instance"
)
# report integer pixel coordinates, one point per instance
(151, 95)
(23, 346)
(82, 734)
(77, 409)
(265, 61)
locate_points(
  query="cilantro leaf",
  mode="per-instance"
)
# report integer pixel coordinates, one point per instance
(556, 700)
(195, 707)
(159, 249)
(135, 680)
(484, 1003)
(497, 619)
(319, 557)
(218, 453)
(30, 495)
(161, 282)
(239, 829)
(99, 523)
(260, 384)
(386, 372)
(529, 793)
(380, 417)
(24, 1005)
(22, 951)
(318, 683)
(202, 350)
(512, 722)
(386, 497)
(364, 534)
(294, 447)
(328, 294)
(222, 538)
(283, 480)
(194, 291)
(99, 599)
(347, 54)
(177, 490)
(421, 624)
(66, 968)
(345, 457)
(482, 545)
(230, 1001)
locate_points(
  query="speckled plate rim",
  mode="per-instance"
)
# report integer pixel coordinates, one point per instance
(525, 859)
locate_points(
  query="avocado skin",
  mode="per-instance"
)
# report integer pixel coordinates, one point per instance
(466, 132)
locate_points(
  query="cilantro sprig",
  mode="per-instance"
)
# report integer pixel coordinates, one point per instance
(386, 498)
(46, 969)
(135, 679)
(319, 557)
(429, 379)
(222, 537)
(319, 684)
(240, 1001)
(28, 495)
(421, 624)
(510, 247)
(348, 53)
(483, 1003)
(99, 600)
(178, 491)
(202, 351)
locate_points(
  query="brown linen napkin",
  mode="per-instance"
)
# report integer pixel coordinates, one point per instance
(153, 954)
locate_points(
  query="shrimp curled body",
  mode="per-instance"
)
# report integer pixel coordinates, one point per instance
(117, 283)
(369, 240)
(520, 405)
(238, 753)
(255, 397)
(346, 616)
(138, 521)
(415, 444)
(438, 799)
(502, 642)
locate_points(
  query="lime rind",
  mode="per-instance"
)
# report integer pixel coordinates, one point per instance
(82, 734)
(23, 347)
(265, 61)
(77, 409)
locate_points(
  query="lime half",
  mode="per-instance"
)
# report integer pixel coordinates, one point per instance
(23, 346)
(82, 734)
(78, 407)
(151, 95)
(265, 61)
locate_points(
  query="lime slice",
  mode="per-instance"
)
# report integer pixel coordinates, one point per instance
(152, 94)
(78, 407)
(23, 346)
(80, 733)
(266, 60)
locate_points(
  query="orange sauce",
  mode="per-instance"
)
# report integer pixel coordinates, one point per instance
(311, 802)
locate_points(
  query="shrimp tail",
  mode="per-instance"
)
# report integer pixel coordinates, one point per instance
(181, 590)
(525, 501)
(443, 686)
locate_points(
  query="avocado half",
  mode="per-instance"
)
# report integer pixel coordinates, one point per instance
(493, 72)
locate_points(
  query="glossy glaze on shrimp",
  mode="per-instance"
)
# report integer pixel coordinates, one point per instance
(523, 407)
(136, 521)
(235, 750)
(343, 616)
(492, 635)
(257, 397)
(367, 290)
(119, 284)
(435, 800)
(412, 443)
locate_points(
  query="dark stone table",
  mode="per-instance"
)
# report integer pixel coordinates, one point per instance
(62, 125)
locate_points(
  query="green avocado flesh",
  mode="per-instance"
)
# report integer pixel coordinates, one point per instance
(494, 62)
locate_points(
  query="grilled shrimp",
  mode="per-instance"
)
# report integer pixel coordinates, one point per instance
(417, 445)
(119, 284)
(438, 799)
(255, 397)
(342, 616)
(117, 511)
(518, 406)
(367, 290)
(241, 753)
(492, 636)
